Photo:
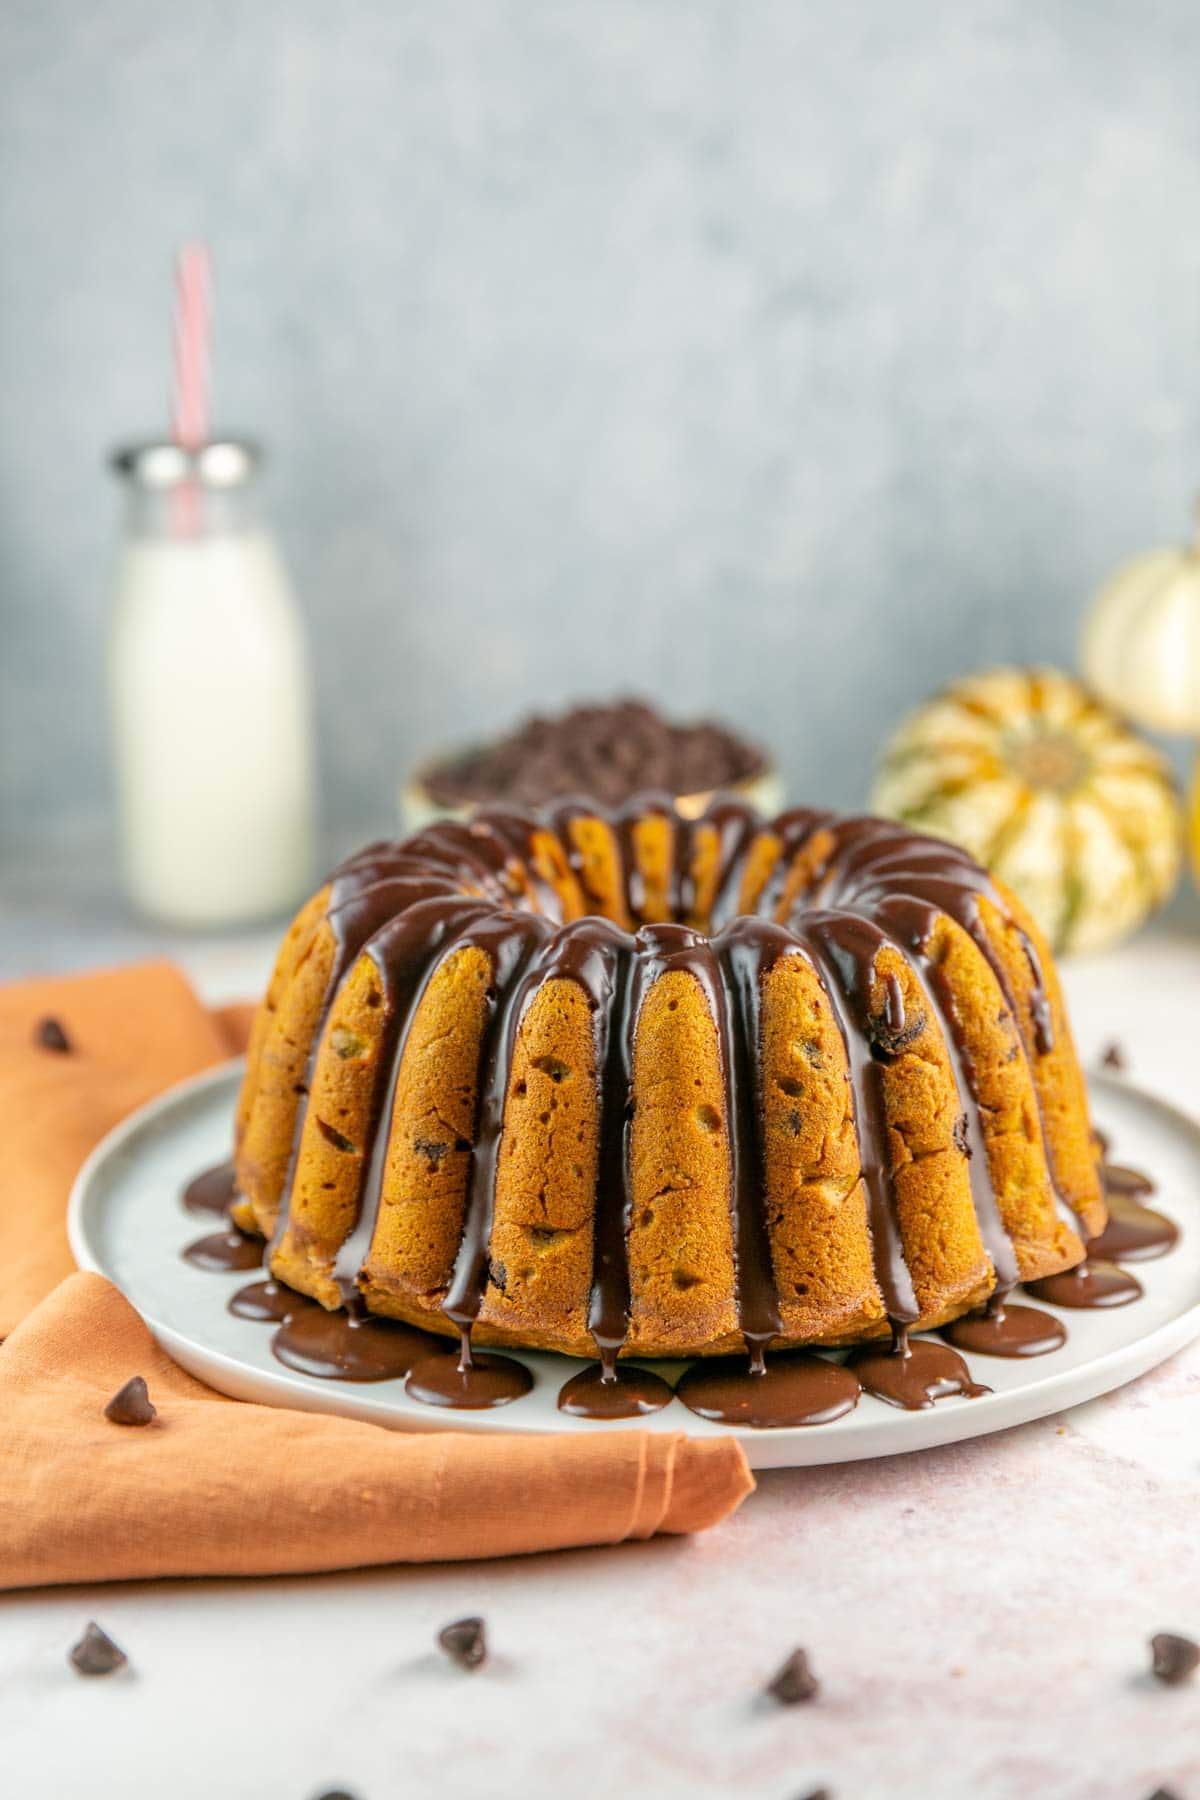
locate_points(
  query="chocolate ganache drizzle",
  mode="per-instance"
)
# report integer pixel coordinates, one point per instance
(211, 1192)
(837, 893)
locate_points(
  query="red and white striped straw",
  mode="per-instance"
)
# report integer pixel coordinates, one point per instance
(193, 332)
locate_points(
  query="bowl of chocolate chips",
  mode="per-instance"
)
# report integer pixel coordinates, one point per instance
(608, 751)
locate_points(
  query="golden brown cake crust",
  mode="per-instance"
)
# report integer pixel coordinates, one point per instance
(493, 1078)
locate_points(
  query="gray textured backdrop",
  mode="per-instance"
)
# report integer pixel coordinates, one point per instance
(779, 358)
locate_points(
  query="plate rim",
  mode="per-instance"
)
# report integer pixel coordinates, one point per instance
(1043, 1396)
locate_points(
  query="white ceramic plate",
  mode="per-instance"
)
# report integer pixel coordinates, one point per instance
(126, 1221)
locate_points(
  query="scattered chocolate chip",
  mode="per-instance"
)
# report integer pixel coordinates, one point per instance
(430, 1148)
(1175, 1658)
(49, 1035)
(498, 1275)
(793, 1682)
(464, 1642)
(961, 1139)
(96, 1654)
(131, 1405)
(1113, 1058)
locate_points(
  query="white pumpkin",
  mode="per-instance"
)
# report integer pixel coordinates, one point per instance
(1047, 788)
(1140, 647)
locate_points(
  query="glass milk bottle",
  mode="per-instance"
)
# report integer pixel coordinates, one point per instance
(209, 694)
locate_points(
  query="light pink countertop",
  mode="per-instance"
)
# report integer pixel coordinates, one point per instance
(978, 1616)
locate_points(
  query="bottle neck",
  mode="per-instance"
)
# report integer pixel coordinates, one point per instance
(191, 510)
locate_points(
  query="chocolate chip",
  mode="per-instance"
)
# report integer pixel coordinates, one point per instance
(131, 1405)
(430, 1148)
(961, 1138)
(334, 1137)
(96, 1654)
(794, 1681)
(1175, 1658)
(49, 1035)
(610, 752)
(464, 1642)
(1113, 1057)
(889, 1039)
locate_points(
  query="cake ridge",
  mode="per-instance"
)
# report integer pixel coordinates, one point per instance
(735, 824)
(953, 884)
(513, 975)
(845, 950)
(610, 952)
(940, 1000)
(410, 951)
(745, 949)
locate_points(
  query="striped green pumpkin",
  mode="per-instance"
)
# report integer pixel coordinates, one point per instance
(1048, 789)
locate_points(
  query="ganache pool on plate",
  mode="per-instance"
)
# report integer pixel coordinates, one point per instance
(755, 1391)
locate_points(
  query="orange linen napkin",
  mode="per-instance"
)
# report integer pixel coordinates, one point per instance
(132, 1032)
(234, 1022)
(215, 1487)
(221, 1487)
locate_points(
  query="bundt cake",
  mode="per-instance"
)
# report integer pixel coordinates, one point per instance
(641, 1084)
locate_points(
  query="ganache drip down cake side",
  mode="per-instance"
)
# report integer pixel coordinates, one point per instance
(639, 1084)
